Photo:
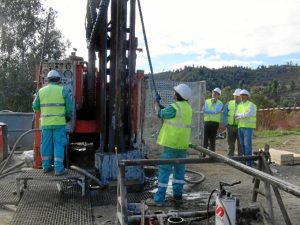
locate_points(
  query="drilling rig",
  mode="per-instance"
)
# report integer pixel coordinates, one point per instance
(106, 90)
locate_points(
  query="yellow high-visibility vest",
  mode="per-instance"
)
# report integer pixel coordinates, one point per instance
(248, 122)
(52, 102)
(176, 132)
(212, 117)
(232, 108)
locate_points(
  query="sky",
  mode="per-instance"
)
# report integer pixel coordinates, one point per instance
(210, 33)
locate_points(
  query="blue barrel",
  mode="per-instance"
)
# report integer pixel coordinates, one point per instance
(18, 123)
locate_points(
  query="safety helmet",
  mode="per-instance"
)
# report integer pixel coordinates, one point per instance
(53, 74)
(244, 92)
(237, 92)
(184, 91)
(218, 90)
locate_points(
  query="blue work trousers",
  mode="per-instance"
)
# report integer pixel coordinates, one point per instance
(53, 138)
(164, 172)
(245, 136)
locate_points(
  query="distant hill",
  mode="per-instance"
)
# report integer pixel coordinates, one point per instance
(279, 84)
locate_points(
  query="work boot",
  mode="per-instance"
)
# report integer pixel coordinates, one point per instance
(60, 173)
(47, 170)
(152, 202)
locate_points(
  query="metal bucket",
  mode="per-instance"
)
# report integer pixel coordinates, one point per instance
(18, 123)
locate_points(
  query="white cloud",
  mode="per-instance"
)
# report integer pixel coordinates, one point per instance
(243, 28)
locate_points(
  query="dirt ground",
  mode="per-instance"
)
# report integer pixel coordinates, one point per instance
(220, 172)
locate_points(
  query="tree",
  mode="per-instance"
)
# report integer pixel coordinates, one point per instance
(22, 30)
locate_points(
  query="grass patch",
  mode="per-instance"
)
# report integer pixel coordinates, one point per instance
(276, 133)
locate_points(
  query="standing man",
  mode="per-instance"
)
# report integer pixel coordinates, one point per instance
(246, 116)
(174, 136)
(55, 106)
(212, 118)
(232, 124)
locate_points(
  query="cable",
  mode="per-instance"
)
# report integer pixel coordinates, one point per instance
(147, 48)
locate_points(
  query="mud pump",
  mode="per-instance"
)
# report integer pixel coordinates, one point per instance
(107, 102)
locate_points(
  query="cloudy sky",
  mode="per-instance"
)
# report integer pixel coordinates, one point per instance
(211, 33)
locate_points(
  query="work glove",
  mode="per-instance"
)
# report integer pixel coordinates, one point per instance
(68, 119)
(157, 98)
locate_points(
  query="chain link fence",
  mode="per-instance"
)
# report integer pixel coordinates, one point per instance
(152, 123)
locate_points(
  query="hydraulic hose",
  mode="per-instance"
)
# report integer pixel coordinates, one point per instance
(15, 146)
(196, 181)
(147, 47)
(86, 173)
(10, 173)
(189, 171)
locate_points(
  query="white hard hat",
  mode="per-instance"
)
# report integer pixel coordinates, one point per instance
(218, 90)
(237, 92)
(184, 91)
(244, 92)
(53, 74)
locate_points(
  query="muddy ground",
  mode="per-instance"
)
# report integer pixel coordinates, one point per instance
(105, 215)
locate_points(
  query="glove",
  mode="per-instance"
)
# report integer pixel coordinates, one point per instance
(157, 98)
(68, 119)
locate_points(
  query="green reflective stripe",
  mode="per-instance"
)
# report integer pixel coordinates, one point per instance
(53, 104)
(49, 115)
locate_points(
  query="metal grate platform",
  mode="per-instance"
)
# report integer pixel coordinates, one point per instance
(43, 204)
(103, 197)
(37, 174)
(8, 190)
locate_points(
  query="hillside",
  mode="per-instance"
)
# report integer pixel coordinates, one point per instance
(273, 85)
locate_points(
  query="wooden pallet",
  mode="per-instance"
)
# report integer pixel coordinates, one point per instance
(282, 157)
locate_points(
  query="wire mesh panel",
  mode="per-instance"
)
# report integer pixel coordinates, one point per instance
(165, 89)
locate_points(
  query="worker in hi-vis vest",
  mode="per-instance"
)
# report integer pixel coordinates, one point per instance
(174, 136)
(231, 123)
(212, 118)
(55, 105)
(246, 116)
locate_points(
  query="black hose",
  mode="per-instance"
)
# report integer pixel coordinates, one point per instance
(10, 173)
(196, 181)
(86, 173)
(189, 171)
(147, 48)
(207, 209)
(15, 146)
